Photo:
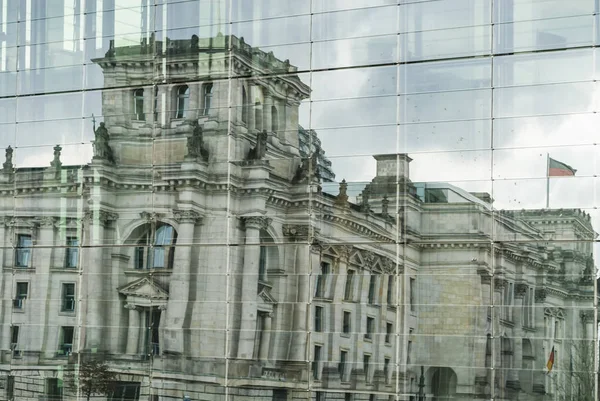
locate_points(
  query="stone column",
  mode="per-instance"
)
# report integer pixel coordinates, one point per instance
(541, 354)
(265, 340)
(161, 328)
(484, 377)
(267, 112)
(179, 288)
(194, 106)
(247, 335)
(299, 234)
(42, 259)
(250, 108)
(499, 371)
(93, 268)
(587, 319)
(514, 373)
(133, 331)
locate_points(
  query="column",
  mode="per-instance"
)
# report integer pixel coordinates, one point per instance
(514, 373)
(41, 288)
(5, 317)
(161, 328)
(499, 371)
(541, 354)
(265, 339)
(93, 267)
(299, 234)
(133, 331)
(250, 108)
(484, 377)
(267, 112)
(249, 279)
(179, 289)
(194, 106)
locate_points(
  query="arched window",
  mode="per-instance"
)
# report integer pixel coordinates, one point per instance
(155, 249)
(244, 106)
(183, 99)
(274, 119)
(138, 104)
(207, 93)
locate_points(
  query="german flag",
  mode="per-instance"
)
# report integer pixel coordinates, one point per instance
(550, 363)
(558, 169)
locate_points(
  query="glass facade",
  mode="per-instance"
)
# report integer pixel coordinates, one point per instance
(282, 200)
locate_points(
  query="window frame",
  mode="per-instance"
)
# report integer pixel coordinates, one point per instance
(316, 364)
(145, 250)
(63, 345)
(349, 285)
(20, 297)
(207, 97)
(138, 101)
(343, 363)
(318, 321)
(65, 297)
(369, 328)
(372, 294)
(72, 253)
(346, 326)
(182, 101)
(21, 250)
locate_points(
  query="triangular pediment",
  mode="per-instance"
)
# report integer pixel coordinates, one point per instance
(144, 288)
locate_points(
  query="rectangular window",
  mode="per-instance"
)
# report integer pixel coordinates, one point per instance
(346, 324)
(408, 351)
(262, 264)
(318, 319)
(386, 370)
(68, 297)
(372, 285)
(372, 397)
(72, 254)
(370, 326)
(388, 333)
(366, 367)
(23, 256)
(390, 291)
(320, 396)
(21, 295)
(349, 285)
(348, 397)
(139, 257)
(412, 295)
(316, 363)
(14, 337)
(66, 346)
(322, 281)
(342, 365)
(53, 390)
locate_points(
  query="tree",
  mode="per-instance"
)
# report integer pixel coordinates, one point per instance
(92, 378)
(576, 381)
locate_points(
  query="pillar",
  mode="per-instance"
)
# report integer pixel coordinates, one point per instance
(541, 354)
(179, 288)
(250, 108)
(484, 377)
(268, 102)
(133, 330)
(5, 316)
(41, 289)
(161, 328)
(93, 264)
(194, 106)
(514, 373)
(249, 279)
(499, 371)
(265, 340)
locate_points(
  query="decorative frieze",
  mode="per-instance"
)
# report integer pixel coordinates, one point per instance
(100, 216)
(296, 231)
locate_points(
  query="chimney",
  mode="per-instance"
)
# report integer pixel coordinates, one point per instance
(392, 165)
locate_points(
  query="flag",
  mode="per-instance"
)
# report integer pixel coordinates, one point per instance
(556, 168)
(550, 363)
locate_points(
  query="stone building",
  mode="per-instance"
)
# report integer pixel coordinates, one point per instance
(198, 255)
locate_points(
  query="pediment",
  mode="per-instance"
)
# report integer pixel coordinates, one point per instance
(144, 288)
(266, 296)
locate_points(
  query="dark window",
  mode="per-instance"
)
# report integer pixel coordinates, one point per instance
(280, 395)
(342, 365)
(66, 340)
(10, 388)
(68, 297)
(156, 248)
(274, 119)
(244, 106)
(262, 264)
(388, 332)
(14, 337)
(318, 318)
(386, 369)
(207, 94)
(21, 295)
(138, 104)
(125, 391)
(366, 361)
(348, 397)
(54, 390)
(152, 337)
(316, 363)
(408, 351)
(320, 396)
(412, 295)
(347, 325)
(183, 99)
(349, 285)
(372, 285)
(372, 397)
(23, 256)
(322, 280)
(72, 254)
(390, 291)
(258, 116)
(370, 326)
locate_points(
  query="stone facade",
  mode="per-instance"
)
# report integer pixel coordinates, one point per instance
(198, 255)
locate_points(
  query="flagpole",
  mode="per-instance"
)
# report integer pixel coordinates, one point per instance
(547, 180)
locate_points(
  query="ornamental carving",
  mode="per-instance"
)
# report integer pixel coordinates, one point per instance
(258, 222)
(151, 216)
(540, 295)
(343, 251)
(187, 216)
(296, 231)
(499, 283)
(131, 306)
(520, 290)
(100, 216)
(587, 316)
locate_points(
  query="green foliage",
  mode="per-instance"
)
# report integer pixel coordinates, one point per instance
(92, 377)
